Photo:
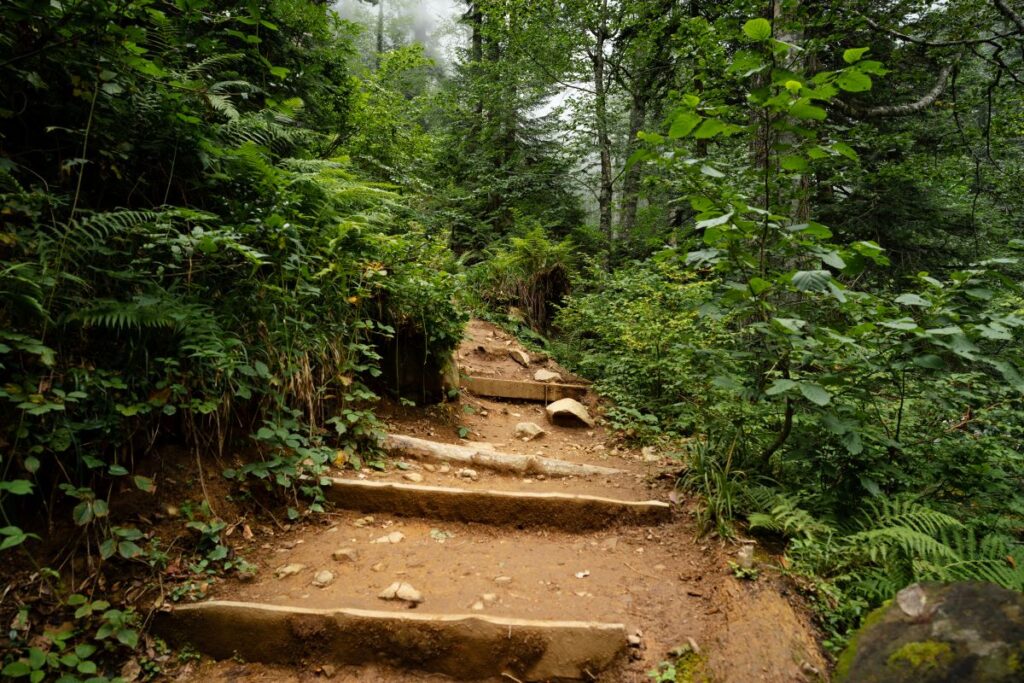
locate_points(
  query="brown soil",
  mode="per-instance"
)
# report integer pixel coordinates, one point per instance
(662, 582)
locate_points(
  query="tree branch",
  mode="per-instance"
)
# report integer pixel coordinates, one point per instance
(1010, 14)
(934, 43)
(908, 108)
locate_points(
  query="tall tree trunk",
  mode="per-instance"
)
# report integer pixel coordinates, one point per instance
(380, 32)
(631, 179)
(606, 192)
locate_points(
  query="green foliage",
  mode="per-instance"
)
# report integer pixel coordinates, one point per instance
(83, 648)
(639, 331)
(527, 276)
(187, 255)
(827, 388)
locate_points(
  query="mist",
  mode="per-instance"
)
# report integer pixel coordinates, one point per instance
(434, 23)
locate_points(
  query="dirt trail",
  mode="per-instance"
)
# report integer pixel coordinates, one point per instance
(667, 588)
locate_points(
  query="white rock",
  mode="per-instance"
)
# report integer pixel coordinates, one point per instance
(528, 431)
(444, 469)
(650, 454)
(430, 468)
(478, 606)
(520, 357)
(393, 537)
(400, 590)
(489, 597)
(745, 557)
(503, 580)
(345, 555)
(414, 477)
(467, 473)
(569, 411)
(547, 376)
(288, 570)
(323, 578)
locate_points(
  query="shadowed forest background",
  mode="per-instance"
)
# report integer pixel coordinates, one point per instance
(782, 238)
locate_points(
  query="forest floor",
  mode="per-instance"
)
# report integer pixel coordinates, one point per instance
(665, 583)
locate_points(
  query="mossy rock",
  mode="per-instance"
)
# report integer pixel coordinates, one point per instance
(965, 632)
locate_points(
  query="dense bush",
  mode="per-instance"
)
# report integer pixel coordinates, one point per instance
(179, 259)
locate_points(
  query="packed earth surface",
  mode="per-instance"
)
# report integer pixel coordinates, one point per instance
(673, 591)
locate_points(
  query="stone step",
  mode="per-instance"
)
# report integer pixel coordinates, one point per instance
(522, 390)
(521, 509)
(463, 646)
(486, 457)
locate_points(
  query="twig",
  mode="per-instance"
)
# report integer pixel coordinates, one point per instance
(641, 573)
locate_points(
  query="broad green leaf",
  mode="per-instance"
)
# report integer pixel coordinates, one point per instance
(683, 124)
(794, 325)
(82, 514)
(845, 150)
(709, 128)
(747, 63)
(128, 550)
(803, 109)
(713, 222)
(853, 80)
(815, 229)
(758, 285)
(17, 487)
(815, 393)
(780, 386)
(758, 30)
(144, 484)
(16, 669)
(812, 280)
(911, 299)
(854, 54)
(793, 162)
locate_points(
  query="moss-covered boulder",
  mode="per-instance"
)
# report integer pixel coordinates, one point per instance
(965, 632)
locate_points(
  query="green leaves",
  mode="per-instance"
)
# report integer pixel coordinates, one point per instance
(854, 54)
(804, 110)
(812, 280)
(16, 487)
(758, 30)
(683, 123)
(853, 80)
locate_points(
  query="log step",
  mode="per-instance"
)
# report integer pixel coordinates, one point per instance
(522, 509)
(462, 646)
(433, 451)
(522, 390)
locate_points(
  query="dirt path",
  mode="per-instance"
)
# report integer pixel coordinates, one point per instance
(668, 589)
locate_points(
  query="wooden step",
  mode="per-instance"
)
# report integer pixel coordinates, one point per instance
(513, 508)
(522, 390)
(486, 457)
(458, 645)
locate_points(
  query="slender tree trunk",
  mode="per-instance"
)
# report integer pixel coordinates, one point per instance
(631, 179)
(380, 29)
(606, 192)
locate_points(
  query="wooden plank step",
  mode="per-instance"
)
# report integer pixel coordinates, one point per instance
(459, 645)
(521, 509)
(522, 390)
(433, 451)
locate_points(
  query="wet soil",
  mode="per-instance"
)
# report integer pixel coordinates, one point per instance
(667, 585)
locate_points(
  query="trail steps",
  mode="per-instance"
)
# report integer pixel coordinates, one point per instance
(531, 567)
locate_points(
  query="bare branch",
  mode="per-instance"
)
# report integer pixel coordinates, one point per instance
(908, 108)
(934, 43)
(1010, 14)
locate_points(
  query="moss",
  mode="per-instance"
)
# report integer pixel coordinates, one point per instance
(845, 660)
(922, 656)
(1013, 663)
(692, 668)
